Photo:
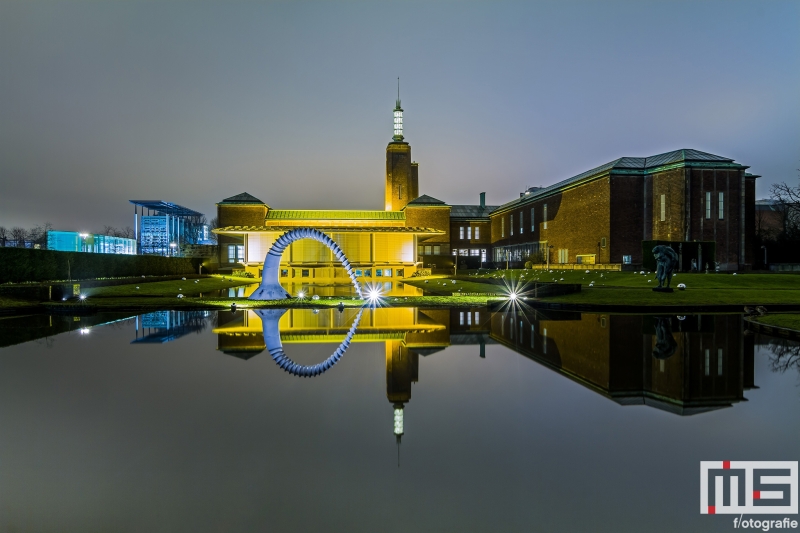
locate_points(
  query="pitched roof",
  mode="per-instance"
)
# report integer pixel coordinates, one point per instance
(641, 164)
(471, 211)
(331, 214)
(243, 198)
(426, 200)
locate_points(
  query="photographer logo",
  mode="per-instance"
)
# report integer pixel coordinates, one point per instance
(748, 487)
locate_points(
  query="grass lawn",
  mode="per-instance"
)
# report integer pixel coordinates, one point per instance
(11, 303)
(628, 288)
(167, 288)
(781, 320)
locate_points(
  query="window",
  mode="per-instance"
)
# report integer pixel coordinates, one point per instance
(235, 253)
(477, 232)
(511, 226)
(521, 225)
(475, 252)
(708, 205)
(503, 227)
(461, 318)
(663, 208)
(437, 250)
(483, 255)
(544, 340)
(461, 232)
(427, 250)
(721, 206)
(304, 273)
(708, 360)
(602, 242)
(544, 216)
(401, 272)
(719, 360)
(533, 224)
(477, 317)
(378, 272)
(469, 232)
(368, 273)
(563, 255)
(455, 251)
(359, 273)
(626, 260)
(284, 273)
(463, 251)
(469, 318)
(387, 272)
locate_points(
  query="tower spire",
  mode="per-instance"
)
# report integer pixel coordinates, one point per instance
(398, 117)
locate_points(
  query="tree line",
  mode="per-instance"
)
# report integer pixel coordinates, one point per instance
(18, 237)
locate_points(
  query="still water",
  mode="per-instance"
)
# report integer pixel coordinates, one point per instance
(518, 420)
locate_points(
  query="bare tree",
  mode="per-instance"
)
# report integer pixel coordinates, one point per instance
(18, 235)
(125, 233)
(38, 235)
(214, 224)
(111, 231)
(4, 235)
(788, 199)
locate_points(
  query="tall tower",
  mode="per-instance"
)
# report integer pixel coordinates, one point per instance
(401, 175)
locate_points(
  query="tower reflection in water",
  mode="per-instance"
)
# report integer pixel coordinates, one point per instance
(683, 365)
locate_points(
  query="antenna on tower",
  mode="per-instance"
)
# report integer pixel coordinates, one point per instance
(398, 91)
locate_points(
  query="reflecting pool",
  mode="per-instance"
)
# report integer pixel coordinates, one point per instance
(459, 419)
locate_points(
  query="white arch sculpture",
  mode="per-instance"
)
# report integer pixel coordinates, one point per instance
(270, 288)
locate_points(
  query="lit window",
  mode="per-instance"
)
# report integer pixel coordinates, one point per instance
(663, 208)
(602, 242)
(284, 273)
(469, 318)
(420, 250)
(477, 317)
(387, 273)
(463, 251)
(378, 272)
(437, 250)
(469, 232)
(708, 205)
(304, 273)
(477, 232)
(483, 255)
(544, 216)
(359, 272)
(521, 225)
(475, 252)
(533, 224)
(722, 206)
(427, 250)
(368, 273)
(626, 260)
(461, 318)
(461, 232)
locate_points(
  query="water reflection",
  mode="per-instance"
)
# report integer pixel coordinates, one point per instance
(167, 326)
(684, 365)
(310, 288)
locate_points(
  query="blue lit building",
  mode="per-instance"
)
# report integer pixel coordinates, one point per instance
(163, 228)
(72, 241)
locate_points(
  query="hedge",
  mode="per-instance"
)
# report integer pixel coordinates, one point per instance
(26, 264)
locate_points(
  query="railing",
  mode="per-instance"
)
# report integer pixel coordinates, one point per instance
(578, 266)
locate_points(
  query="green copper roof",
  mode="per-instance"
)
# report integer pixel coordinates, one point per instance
(325, 214)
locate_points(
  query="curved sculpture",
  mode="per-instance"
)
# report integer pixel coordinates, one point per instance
(270, 288)
(272, 339)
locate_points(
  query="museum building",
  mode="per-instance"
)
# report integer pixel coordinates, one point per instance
(703, 205)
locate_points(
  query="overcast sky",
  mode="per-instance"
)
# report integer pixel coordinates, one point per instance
(191, 102)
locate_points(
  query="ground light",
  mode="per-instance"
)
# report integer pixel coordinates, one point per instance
(84, 331)
(82, 297)
(301, 295)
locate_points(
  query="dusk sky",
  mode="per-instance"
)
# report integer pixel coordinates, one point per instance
(192, 102)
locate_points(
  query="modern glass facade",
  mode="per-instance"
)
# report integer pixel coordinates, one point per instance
(72, 241)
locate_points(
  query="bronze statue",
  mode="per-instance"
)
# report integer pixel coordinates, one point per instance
(666, 261)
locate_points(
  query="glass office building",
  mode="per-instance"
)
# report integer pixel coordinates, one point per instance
(72, 241)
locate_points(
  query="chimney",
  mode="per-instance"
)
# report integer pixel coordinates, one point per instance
(483, 199)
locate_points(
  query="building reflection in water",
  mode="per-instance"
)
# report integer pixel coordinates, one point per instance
(166, 326)
(683, 365)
